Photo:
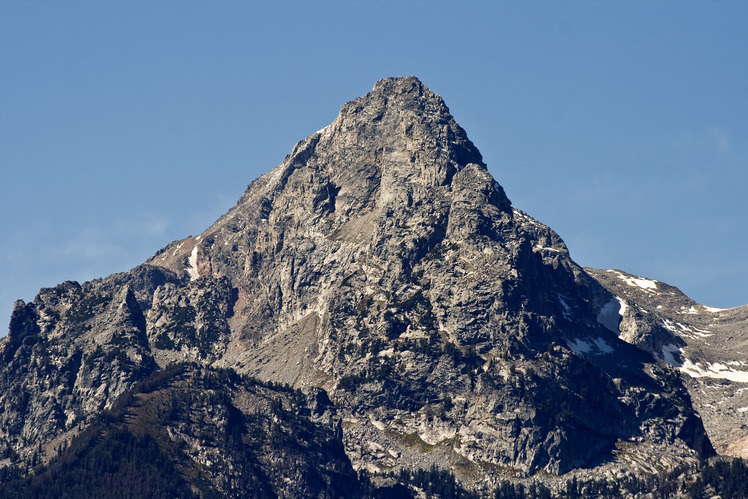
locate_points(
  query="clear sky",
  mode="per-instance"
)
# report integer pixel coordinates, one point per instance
(621, 124)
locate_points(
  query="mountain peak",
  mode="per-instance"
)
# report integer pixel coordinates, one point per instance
(409, 92)
(401, 82)
(381, 270)
(403, 107)
(402, 89)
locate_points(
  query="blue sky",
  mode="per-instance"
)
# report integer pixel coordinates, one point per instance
(126, 125)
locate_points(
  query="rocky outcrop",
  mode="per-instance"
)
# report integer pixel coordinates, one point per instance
(382, 266)
(69, 355)
(191, 431)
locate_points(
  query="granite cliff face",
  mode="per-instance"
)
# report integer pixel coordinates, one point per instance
(382, 269)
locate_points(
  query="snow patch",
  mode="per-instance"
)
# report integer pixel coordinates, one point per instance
(701, 333)
(192, 268)
(714, 370)
(325, 132)
(670, 325)
(581, 347)
(611, 314)
(546, 248)
(684, 330)
(623, 306)
(602, 346)
(177, 249)
(668, 354)
(521, 215)
(713, 309)
(641, 282)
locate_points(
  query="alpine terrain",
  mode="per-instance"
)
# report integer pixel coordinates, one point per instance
(373, 317)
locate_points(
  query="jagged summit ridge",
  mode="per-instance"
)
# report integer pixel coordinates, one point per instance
(394, 149)
(420, 113)
(400, 127)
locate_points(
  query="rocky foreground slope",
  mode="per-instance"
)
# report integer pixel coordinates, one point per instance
(379, 286)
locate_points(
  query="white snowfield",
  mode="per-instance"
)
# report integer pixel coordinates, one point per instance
(713, 309)
(683, 329)
(668, 354)
(192, 269)
(646, 284)
(602, 346)
(581, 347)
(715, 370)
(610, 315)
(546, 248)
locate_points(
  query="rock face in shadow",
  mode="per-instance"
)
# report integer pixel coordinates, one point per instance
(383, 266)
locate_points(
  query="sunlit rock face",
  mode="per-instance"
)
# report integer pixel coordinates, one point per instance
(381, 265)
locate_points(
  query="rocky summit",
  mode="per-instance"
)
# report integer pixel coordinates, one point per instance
(373, 317)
